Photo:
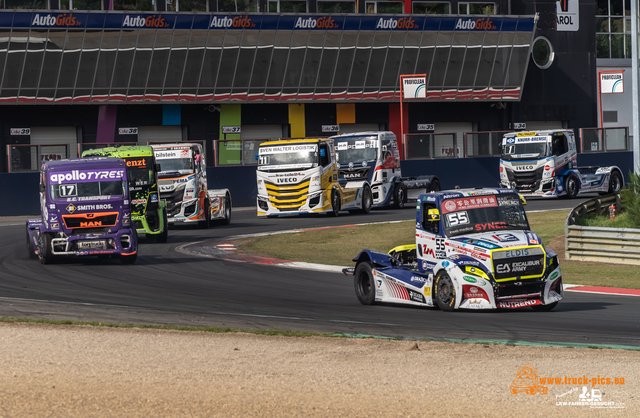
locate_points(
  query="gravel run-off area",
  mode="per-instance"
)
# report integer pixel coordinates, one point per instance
(83, 371)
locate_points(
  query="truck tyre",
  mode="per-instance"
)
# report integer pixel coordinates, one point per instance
(399, 196)
(335, 203)
(545, 308)
(571, 186)
(128, 259)
(32, 254)
(364, 283)
(367, 200)
(445, 292)
(207, 216)
(615, 182)
(164, 235)
(227, 211)
(435, 186)
(44, 248)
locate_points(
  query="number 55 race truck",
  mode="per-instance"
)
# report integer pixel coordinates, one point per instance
(301, 176)
(183, 185)
(85, 211)
(371, 160)
(543, 163)
(474, 250)
(148, 212)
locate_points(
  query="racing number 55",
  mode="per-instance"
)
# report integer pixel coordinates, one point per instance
(457, 218)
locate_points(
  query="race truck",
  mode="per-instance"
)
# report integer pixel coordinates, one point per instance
(85, 211)
(148, 212)
(371, 159)
(544, 163)
(301, 176)
(183, 186)
(473, 250)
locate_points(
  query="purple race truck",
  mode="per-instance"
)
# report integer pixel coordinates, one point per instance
(85, 211)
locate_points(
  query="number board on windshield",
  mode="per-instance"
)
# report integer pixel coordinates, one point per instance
(457, 218)
(67, 190)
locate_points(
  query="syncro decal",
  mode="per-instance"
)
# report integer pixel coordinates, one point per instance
(75, 176)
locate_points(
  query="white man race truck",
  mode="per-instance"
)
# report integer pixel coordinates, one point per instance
(183, 185)
(544, 163)
(371, 159)
(301, 176)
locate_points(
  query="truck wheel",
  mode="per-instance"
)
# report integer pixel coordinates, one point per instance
(545, 308)
(164, 235)
(129, 259)
(32, 253)
(367, 200)
(445, 292)
(571, 187)
(364, 283)
(207, 216)
(44, 248)
(435, 185)
(227, 211)
(615, 182)
(335, 203)
(399, 196)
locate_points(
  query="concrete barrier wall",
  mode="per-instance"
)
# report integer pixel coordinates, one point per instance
(20, 190)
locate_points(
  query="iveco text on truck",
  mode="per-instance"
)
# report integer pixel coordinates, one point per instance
(371, 159)
(545, 163)
(85, 211)
(301, 176)
(148, 211)
(183, 185)
(473, 250)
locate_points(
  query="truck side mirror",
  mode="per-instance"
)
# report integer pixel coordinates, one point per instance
(433, 215)
(158, 168)
(384, 148)
(42, 188)
(256, 156)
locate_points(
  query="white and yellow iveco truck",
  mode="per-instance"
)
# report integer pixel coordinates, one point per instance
(301, 176)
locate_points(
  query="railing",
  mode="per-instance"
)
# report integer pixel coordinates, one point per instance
(421, 146)
(25, 157)
(483, 144)
(604, 139)
(606, 245)
(236, 151)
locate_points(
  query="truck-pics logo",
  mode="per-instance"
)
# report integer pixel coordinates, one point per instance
(527, 381)
(325, 22)
(61, 20)
(232, 22)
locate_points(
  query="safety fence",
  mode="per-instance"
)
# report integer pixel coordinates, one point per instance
(599, 244)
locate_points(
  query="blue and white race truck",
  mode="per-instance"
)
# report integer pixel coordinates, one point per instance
(544, 163)
(372, 159)
(473, 250)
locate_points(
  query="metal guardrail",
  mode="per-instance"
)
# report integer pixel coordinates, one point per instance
(605, 245)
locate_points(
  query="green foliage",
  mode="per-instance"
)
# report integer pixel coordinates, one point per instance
(631, 196)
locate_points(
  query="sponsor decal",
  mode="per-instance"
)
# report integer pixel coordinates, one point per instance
(137, 163)
(554, 276)
(445, 264)
(415, 296)
(491, 226)
(61, 20)
(395, 23)
(418, 279)
(473, 292)
(232, 22)
(324, 22)
(478, 24)
(427, 290)
(282, 149)
(480, 243)
(286, 180)
(76, 175)
(153, 21)
(470, 203)
(516, 253)
(523, 167)
(70, 208)
(185, 153)
(139, 201)
(94, 207)
(514, 304)
(469, 279)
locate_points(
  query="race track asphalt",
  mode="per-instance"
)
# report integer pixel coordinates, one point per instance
(168, 287)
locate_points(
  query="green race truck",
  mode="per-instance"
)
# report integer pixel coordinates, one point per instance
(148, 212)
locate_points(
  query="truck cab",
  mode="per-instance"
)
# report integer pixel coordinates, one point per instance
(85, 211)
(545, 163)
(301, 176)
(371, 159)
(473, 250)
(148, 211)
(183, 185)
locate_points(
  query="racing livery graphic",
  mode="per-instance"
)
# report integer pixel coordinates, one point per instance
(473, 250)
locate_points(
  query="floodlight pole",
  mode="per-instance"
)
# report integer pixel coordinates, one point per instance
(634, 85)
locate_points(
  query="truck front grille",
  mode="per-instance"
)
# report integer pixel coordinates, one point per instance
(520, 289)
(289, 197)
(511, 264)
(90, 220)
(354, 174)
(173, 200)
(526, 180)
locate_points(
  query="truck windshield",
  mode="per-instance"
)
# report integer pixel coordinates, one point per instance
(140, 170)
(356, 149)
(181, 165)
(525, 150)
(87, 189)
(282, 157)
(473, 214)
